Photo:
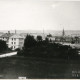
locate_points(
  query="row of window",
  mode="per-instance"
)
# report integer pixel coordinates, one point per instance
(21, 39)
(13, 38)
(13, 47)
(13, 42)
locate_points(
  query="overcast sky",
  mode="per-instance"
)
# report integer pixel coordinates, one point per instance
(39, 14)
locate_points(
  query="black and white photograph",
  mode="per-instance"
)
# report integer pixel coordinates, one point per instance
(39, 39)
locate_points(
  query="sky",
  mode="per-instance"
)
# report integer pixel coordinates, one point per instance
(39, 15)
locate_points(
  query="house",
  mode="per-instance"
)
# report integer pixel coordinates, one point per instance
(16, 41)
(5, 36)
(13, 40)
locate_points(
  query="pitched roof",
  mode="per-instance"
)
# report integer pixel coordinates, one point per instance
(16, 36)
(6, 35)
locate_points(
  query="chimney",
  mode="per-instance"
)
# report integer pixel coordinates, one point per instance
(8, 32)
(15, 31)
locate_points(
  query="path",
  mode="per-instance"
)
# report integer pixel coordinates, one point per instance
(8, 54)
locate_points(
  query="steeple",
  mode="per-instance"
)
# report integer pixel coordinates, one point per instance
(63, 32)
(43, 31)
(8, 32)
(43, 34)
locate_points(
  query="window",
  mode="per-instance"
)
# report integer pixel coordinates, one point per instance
(12, 42)
(12, 38)
(13, 47)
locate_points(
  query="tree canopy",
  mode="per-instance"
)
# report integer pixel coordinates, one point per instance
(39, 38)
(44, 48)
(29, 41)
(3, 46)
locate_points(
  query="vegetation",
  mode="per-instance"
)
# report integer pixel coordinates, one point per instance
(29, 42)
(3, 46)
(39, 38)
(46, 49)
(49, 35)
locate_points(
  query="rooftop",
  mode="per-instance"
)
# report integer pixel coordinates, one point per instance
(17, 36)
(6, 35)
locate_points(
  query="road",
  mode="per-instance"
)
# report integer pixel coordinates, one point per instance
(8, 54)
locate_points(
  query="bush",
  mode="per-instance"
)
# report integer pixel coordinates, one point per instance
(3, 46)
(29, 42)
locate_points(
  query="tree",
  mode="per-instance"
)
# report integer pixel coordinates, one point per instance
(39, 38)
(29, 41)
(49, 35)
(76, 39)
(46, 40)
(3, 46)
(50, 40)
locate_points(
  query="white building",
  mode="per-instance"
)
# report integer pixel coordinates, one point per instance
(16, 41)
(13, 41)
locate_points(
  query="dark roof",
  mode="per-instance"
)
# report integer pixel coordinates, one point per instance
(6, 35)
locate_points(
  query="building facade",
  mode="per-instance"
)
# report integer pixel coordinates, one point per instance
(16, 41)
(13, 41)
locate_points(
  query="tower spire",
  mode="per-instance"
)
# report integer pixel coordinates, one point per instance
(63, 32)
(43, 34)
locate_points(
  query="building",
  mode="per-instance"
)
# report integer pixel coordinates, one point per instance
(13, 40)
(6, 36)
(64, 38)
(16, 41)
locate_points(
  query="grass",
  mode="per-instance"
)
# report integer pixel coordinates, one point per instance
(37, 68)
